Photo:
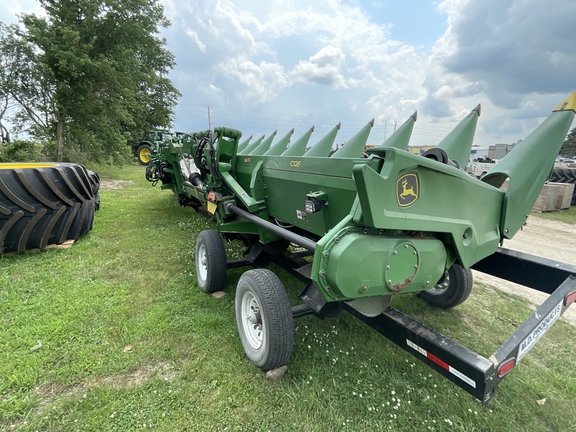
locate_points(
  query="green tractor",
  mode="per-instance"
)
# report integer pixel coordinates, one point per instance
(150, 144)
(360, 226)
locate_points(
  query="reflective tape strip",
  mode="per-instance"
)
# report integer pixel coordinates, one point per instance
(442, 364)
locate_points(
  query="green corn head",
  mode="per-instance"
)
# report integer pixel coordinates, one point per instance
(382, 221)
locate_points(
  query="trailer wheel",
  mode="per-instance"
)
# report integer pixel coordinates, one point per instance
(264, 319)
(143, 154)
(210, 261)
(452, 290)
(45, 203)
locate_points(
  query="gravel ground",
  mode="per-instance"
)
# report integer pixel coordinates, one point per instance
(541, 237)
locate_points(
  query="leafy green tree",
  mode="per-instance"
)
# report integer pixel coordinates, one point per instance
(103, 69)
(4, 108)
(25, 93)
(569, 146)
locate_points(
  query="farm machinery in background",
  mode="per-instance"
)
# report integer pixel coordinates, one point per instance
(359, 228)
(481, 167)
(152, 143)
(149, 145)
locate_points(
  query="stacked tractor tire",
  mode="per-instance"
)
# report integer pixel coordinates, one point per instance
(45, 204)
(565, 175)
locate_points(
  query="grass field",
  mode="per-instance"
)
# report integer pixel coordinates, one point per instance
(566, 216)
(114, 335)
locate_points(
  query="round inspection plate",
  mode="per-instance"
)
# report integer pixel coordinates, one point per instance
(402, 266)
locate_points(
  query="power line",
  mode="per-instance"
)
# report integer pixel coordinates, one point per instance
(255, 119)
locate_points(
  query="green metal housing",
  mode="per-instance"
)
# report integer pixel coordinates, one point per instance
(385, 221)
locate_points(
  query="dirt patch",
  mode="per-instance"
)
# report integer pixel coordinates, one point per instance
(162, 370)
(49, 394)
(114, 184)
(544, 238)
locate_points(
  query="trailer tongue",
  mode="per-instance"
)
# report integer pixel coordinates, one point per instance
(377, 224)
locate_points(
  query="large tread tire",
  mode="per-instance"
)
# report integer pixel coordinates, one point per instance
(143, 154)
(45, 203)
(95, 183)
(453, 289)
(565, 175)
(264, 319)
(210, 258)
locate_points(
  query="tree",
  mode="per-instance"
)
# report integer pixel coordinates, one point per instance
(4, 108)
(569, 146)
(24, 91)
(103, 70)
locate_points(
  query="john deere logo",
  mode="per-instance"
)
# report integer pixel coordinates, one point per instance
(407, 190)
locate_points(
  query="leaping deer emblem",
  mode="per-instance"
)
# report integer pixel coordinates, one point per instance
(407, 191)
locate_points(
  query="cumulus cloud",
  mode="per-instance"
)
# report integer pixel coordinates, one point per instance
(331, 59)
(256, 53)
(322, 68)
(194, 36)
(511, 48)
(10, 9)
(261, 81)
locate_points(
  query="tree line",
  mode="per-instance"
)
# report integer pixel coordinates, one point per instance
(86, 77)
(569, 147)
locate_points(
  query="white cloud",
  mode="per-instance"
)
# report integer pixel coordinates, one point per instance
(261, 81)
(194, 36)
(512, 48)
(322, 68)
(282, 63)
(9, 9)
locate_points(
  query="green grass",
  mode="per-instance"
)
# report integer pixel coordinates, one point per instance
(567, 216)
(131, 282)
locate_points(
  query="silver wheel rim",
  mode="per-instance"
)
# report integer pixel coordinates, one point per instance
(252, 321)
(202, 263)
(440, 288)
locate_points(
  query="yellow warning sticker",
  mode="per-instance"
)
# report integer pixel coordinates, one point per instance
(567, 104)
(212, 207)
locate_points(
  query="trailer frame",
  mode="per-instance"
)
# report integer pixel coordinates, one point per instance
(474, 373)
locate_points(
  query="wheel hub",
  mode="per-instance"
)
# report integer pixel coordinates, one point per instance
(203, 263)
(442, 285)
(252, 320)
(255, 318)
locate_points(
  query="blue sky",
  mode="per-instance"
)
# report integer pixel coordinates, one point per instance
(263, 65)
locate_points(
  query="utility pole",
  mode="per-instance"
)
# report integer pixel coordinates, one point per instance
(209, 124)
(395, 123)
(385, 121)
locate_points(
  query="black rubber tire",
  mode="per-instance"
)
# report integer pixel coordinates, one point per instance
(95, 183)
(143, 154)
(453, 289)
(565, 175)
(44, 203)
(268, 343)
(210, 258)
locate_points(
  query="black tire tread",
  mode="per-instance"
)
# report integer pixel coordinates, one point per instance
(54, 189)
(51, 226)
(45, 204)
(216, 255)
(69, 220)
(94, 179)
(461, 283)
(14, 198)
(29, 227)
(565, 175)
(71, 187)
(278, 316)
(26, 183)
(8, 225)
